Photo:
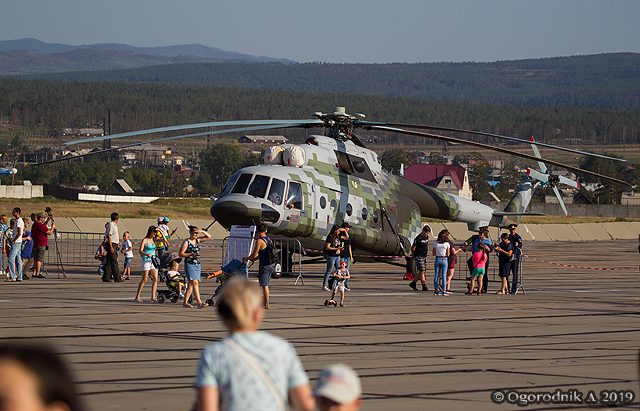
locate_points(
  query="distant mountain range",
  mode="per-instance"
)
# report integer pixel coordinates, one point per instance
(610, 81)
(32, 56)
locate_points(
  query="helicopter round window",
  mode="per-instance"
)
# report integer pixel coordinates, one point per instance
(375, 217)
(323, 202)
(365, 213)
(349, 210)
(334, 204)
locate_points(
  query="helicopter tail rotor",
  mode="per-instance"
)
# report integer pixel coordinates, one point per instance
(546, 177)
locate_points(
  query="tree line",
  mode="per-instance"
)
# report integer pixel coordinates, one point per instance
(50, 107)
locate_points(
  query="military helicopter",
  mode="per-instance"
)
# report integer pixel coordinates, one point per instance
(302, 190)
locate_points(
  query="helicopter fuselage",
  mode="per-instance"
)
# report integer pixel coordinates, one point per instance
(303, 190)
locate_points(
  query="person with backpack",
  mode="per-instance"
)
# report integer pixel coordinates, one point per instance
(263, 250)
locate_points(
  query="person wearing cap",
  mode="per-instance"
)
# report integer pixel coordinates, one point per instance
(249, 369)
(338, 389)
(345, 253)
(419, 252)
(40, 233)
(516, 241)
(163, 236)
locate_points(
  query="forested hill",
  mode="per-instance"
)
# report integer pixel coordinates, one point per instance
(609, 81)
(51, 106)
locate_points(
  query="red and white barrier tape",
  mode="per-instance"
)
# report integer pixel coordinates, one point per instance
(363, 255)
(582, 268)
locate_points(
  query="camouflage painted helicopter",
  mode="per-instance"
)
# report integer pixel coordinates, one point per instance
(301, 191)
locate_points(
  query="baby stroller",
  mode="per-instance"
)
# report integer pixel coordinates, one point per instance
(171, 293)
(222, 276)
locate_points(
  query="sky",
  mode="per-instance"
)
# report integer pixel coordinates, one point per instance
(346, 31)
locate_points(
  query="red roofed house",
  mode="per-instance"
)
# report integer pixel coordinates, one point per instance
(450, 179)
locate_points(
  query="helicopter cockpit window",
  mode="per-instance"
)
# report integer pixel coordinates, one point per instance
(242, 184)
(276, 192)
(258, 187)
(294, 197)
(229, 186)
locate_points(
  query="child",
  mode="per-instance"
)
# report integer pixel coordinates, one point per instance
(175, 277)
(342, 275)
(101, 255)
(126, 248)
(504, 250)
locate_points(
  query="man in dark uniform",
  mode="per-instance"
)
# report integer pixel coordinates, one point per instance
(419, 252)
(516, 240)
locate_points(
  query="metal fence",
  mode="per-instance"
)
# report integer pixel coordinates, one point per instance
(76, 249)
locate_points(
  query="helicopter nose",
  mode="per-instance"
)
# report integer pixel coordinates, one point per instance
(232, 212)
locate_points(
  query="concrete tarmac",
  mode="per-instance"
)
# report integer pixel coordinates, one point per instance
(574, 329)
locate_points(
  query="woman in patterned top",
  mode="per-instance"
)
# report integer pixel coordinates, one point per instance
(190, 251)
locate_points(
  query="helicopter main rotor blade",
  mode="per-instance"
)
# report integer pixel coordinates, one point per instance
(519, 140)
(498, 149)
(139, 143)
(292, 123)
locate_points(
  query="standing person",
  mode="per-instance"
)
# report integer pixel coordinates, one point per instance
(479, 260)
(419, 252)
(332, 249)
(345, 254)
(190, 251)
(163, 236)
(249, 369)
(111, 237)
(338, 389)
(126, 248)
(15, 260)
(483, 238)
(341, 276)
(40, 233)
(27, 250)
(505, 251)
(441, 252)
(452, 260)
(516, 241)
(147, 251)
(264, 270)
(4, 227)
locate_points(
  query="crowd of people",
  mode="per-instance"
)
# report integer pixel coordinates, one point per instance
(509, 252)
(23, 249)
(249, 367)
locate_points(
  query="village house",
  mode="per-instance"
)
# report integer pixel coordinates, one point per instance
(448, 178)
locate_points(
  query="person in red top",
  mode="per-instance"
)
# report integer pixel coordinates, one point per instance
(40, 234)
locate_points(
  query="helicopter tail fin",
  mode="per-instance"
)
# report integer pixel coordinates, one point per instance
(521, 199)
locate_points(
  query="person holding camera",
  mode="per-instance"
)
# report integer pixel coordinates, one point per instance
(111, 237)
(40, 234)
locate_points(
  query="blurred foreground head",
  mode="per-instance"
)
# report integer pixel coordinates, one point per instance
(35, 379)
(240, 304)
(338, 389)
